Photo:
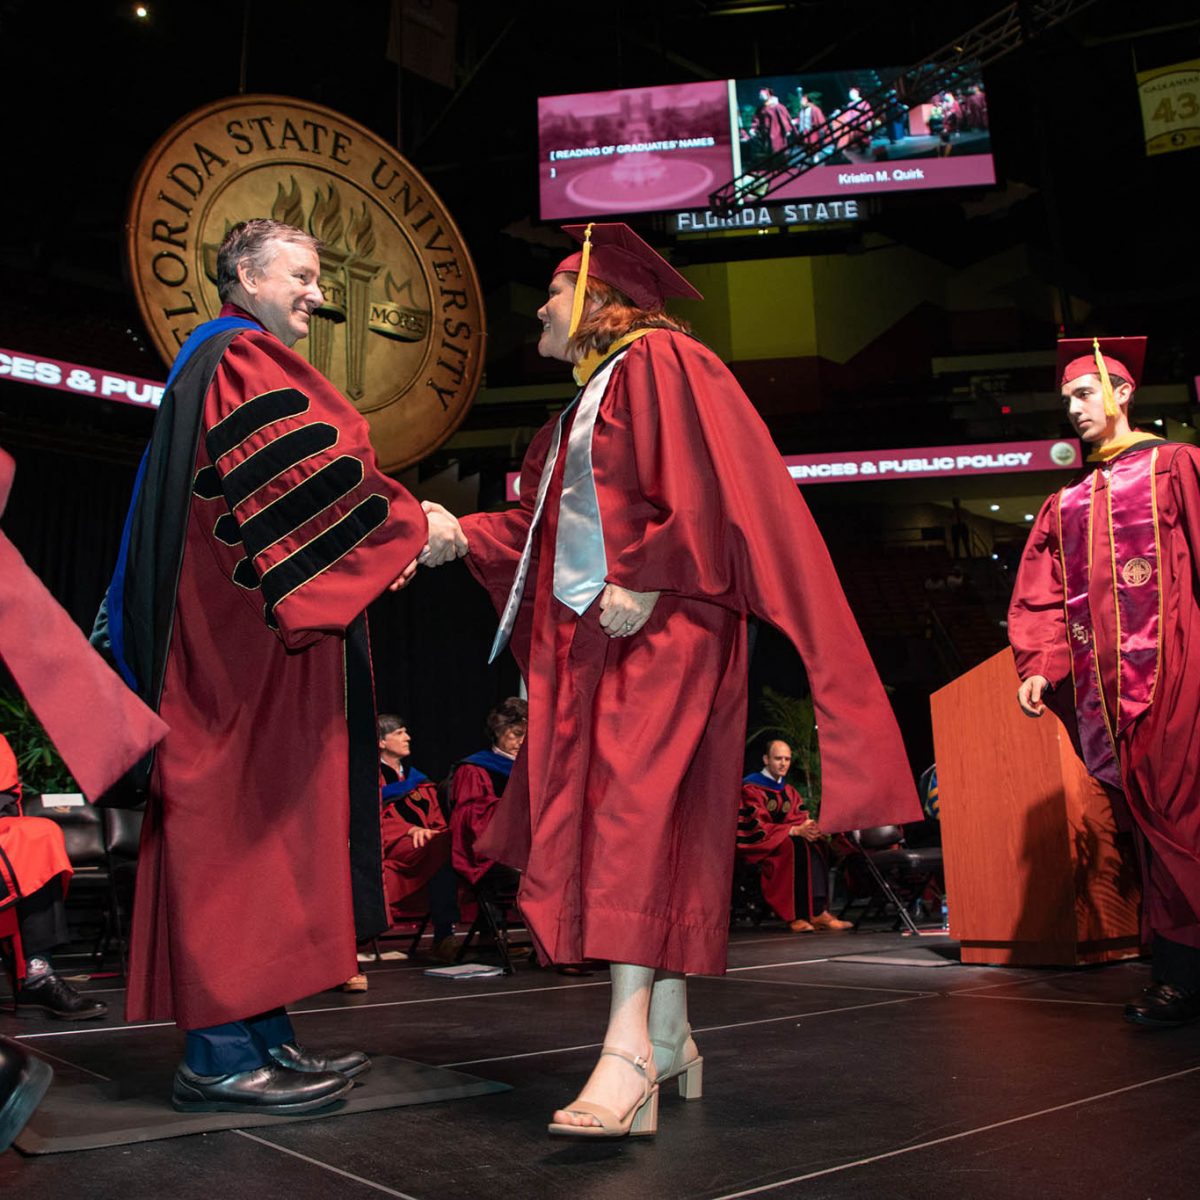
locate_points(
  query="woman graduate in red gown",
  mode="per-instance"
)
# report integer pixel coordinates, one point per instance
(655, 515)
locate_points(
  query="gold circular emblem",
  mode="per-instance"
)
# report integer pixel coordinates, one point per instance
(1137, 571)
(1064, 454)
(401, 332)
(772, 804)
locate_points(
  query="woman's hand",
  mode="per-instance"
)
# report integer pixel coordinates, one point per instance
(622, 612)
(421, 836)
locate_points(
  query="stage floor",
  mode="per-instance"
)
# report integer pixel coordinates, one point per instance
(822, 1079)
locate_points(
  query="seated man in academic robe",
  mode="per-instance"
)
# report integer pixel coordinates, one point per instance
(477, 784)
(34, 867)
(416, 842)
(776, 832)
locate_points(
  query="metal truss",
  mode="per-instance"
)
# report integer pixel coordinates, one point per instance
(952, 66)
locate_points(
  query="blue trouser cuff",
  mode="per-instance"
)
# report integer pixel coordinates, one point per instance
(237, 1045)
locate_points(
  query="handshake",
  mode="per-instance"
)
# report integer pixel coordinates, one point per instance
(446, 543)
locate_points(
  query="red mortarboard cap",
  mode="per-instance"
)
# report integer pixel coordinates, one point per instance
(1124, 356)
(622, 260)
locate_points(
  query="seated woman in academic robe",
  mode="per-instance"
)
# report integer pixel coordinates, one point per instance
(476, 785)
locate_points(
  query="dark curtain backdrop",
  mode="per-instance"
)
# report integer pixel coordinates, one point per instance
(429, 644)
(65, 516)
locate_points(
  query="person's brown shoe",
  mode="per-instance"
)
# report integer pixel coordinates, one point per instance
(830, 923)
(800, 927)
(356, 983)
(447, 949)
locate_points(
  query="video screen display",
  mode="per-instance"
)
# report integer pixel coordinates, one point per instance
(636, 150)
(664, 149)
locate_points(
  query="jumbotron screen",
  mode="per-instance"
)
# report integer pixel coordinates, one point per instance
(665, 149)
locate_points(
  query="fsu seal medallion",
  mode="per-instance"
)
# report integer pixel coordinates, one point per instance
(401, 332)
(1136, 572)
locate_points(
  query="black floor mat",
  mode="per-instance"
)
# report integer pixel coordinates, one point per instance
(90, 1114)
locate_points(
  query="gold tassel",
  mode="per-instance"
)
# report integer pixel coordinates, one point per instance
(1106, 388)
(581, 283)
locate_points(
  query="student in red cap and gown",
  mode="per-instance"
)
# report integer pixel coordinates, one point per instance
(655, 516)
(1105, 626)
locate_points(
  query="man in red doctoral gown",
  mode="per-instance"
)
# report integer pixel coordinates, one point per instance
(416, 837)
(655, 516)
(260, 533)
(1105, 626)
(776, 832)
(772, 123)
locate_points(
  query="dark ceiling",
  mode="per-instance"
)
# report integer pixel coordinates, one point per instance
(88, 88)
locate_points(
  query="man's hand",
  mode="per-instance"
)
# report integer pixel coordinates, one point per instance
(404, 578)
(622, 612)
(1030, 693)
(421, 837)
(809, 830)
(446, 539)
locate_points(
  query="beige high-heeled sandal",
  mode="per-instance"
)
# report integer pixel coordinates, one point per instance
(639, 1121)
(690, 1074)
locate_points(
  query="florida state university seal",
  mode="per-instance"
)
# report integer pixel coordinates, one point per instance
(401, 332)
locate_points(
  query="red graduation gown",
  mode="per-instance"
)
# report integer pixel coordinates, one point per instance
(96, 723)
(33, 846)
(765, 823)
(244, 898)
(475, 801)
(1156, 754)
(622, 807)
(773, 123)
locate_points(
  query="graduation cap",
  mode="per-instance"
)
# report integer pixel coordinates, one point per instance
(1102, 357)
(613, 254)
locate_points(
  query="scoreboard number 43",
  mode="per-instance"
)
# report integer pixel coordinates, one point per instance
(1170, 100)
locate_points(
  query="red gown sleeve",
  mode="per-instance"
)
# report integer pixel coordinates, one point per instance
(324, 532)
(97, 724)
(726, 523)
(1185, 484)
(1037, 624)
(497, 539)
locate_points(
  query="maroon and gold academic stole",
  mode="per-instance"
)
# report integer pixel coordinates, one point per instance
(1134, 553)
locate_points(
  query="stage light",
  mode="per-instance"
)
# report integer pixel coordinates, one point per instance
(995, 558)
(1158, 421)
(141, 12)
(994, 507)
(1029, 516)
(1005, 410)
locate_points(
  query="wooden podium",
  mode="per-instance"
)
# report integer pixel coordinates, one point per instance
(1034, 876)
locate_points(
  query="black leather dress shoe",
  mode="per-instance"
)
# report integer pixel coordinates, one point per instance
(269, 1089)
(352, 1063)
(23, 1083)
(55, 995)
(1163, 1006)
